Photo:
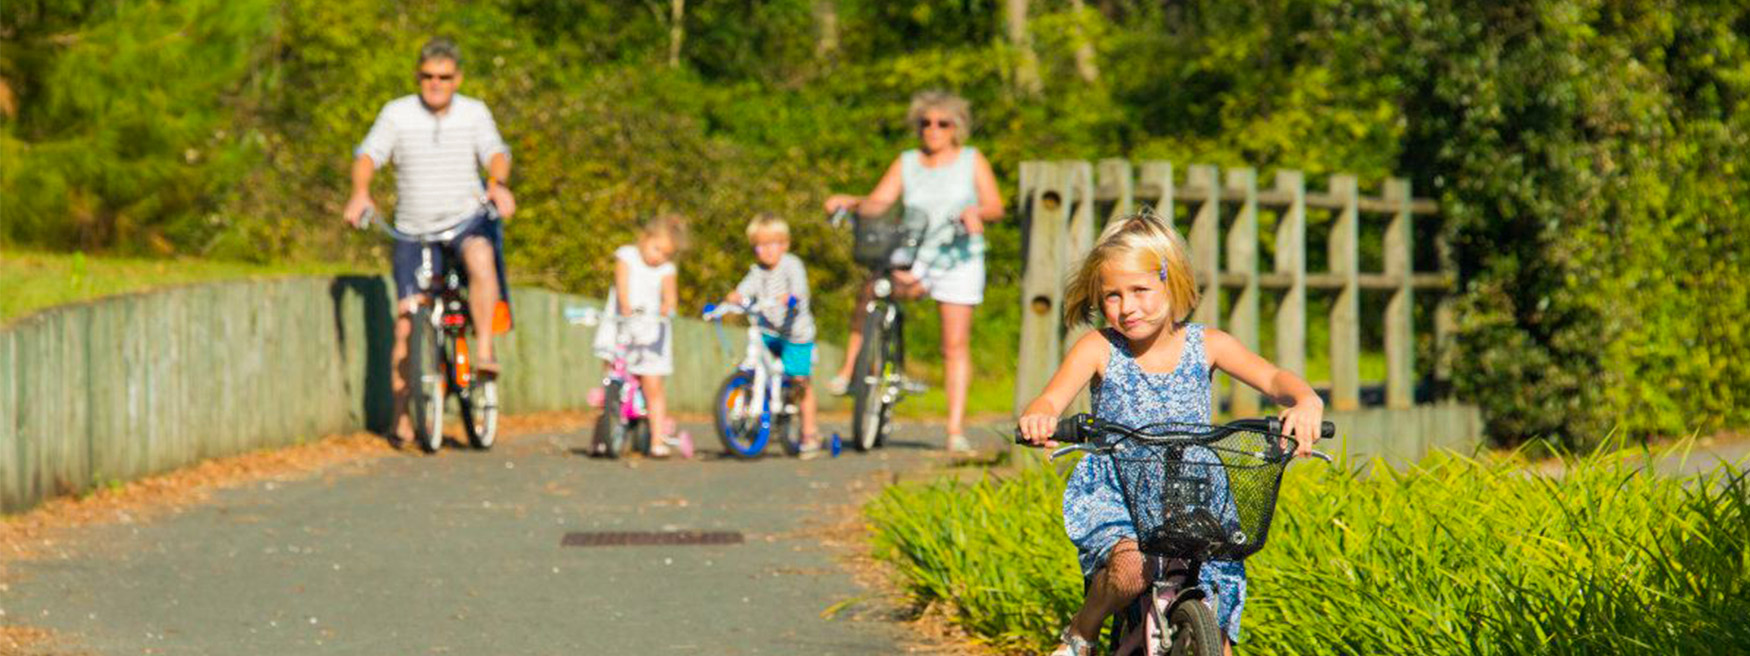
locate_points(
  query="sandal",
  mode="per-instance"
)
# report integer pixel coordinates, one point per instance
(1070, 644)
(658, 449)
(958, 444)
(487, 368)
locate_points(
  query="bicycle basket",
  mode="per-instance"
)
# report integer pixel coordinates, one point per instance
(878, 238)
(1205, 499)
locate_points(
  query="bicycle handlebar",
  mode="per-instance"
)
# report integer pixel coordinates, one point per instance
(369, 217)
(1082, 427)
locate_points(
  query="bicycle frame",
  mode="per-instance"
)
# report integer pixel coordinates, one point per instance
(766, 370)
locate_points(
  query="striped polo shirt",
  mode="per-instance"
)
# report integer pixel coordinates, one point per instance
(437, 158)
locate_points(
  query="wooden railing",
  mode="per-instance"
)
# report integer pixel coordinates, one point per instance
(1063, 205)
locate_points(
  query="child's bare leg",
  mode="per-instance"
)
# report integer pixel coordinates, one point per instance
(657, 402)
(1116, 584)
(398, 376)
(810, 428)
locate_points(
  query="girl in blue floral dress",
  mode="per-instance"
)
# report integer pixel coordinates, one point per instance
(1148, 365)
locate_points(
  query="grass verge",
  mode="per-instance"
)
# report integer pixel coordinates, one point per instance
(1456, 556)
(36, 279)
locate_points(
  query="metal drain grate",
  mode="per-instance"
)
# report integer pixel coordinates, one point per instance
(649, 538)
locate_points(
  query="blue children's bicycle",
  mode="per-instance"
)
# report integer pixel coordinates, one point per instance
(757, 402)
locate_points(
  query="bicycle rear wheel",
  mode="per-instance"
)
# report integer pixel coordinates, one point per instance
(426, 381)
(1195, 632)
(871, 410)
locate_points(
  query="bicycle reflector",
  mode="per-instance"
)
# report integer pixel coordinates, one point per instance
(454, 320)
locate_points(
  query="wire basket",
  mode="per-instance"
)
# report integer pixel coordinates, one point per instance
(1204, 499)
(883, 241)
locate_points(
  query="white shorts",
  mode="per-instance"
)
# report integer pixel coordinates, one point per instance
(649, 344)
(960, 284)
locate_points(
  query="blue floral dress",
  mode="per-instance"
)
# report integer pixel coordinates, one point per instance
(1094, 514)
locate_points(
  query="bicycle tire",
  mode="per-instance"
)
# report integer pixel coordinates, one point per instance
(425, 382)
(1195, 632)
(479, 406)
(868, 377)
(641, 436)
(739, 435)
(610, 430)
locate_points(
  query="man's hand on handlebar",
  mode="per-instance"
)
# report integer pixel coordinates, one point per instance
(356, 208)
(502, 199)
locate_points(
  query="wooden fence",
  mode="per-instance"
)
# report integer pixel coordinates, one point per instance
(128, 386)
(1064, 204)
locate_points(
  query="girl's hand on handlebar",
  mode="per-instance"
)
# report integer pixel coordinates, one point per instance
(1301, 422)
(1038, 428)
(973, 222)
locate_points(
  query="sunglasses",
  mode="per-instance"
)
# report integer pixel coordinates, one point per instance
(425, 77)
(943, 124)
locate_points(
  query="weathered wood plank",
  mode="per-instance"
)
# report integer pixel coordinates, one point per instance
(1242, 260)
(1205, 240)
(1042, 282)
(1115, 174)
(1157, 176)
(1400, 336)
(1345, 317)
(1291, 265)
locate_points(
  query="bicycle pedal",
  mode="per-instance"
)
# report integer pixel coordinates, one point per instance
(910, 386)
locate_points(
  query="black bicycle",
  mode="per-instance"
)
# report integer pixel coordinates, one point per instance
(438, 348)
(1195, 493)
(883, 244)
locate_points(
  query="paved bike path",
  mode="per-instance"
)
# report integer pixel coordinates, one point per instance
(461, 554)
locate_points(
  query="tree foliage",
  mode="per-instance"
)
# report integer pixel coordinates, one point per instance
(1589, 156)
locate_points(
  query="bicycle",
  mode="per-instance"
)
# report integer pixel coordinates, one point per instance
(625, 419)
(438, 347)
(757, 401)
(1195, 493)
(883, 244)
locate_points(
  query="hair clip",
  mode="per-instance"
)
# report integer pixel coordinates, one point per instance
(1163, 270)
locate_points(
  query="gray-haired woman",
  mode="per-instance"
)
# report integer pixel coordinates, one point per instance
(946, 181)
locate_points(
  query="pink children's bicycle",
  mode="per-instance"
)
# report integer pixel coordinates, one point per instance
(625, 420)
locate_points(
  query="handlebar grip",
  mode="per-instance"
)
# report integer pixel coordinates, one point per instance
(1327, 430)
(1074, 429)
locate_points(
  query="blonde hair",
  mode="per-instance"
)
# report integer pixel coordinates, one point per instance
(1142, 242)
(958, 110)
(767, 222)
(672, 226)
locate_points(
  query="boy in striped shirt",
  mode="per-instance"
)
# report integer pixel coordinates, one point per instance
(776, 277)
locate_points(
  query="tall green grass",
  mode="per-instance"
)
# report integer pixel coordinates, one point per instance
(1456, 556)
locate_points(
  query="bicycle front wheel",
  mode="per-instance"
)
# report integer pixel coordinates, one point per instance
(870, 407)
(610, 429)
(426, 381)
(737, 426)
(479, 404)
(1195, 632)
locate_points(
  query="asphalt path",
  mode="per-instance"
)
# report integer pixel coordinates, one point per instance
(462, 554)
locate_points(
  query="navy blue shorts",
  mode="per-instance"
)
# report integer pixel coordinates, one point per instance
(406, 257)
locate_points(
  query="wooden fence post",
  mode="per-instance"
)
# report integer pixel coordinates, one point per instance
(1042, 282)
(1205, 241)
(1291, 262)
(1115, 173)
(1242, 260)
(1346, 307)
(1400, 335)
(1159, 175)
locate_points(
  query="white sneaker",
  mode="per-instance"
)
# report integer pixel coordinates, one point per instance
(959, 444)
(838, 386)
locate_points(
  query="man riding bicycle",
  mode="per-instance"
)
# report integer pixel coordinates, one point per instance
(438, 140)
